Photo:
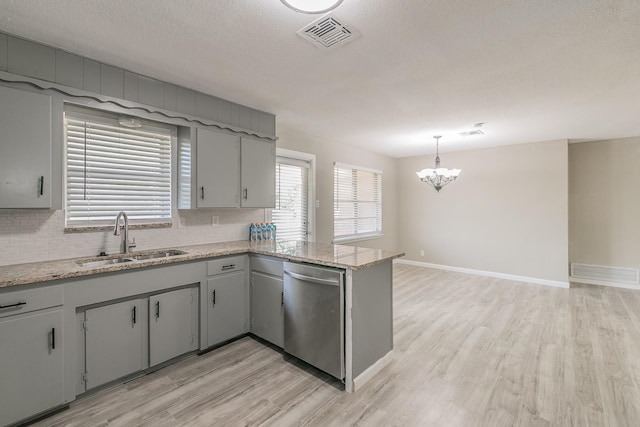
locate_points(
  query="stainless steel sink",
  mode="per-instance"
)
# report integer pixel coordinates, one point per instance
(158, 254)
(103, 262)
(96, 263)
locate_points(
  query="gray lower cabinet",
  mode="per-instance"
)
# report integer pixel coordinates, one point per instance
(226, 316)
(172, 324)
(114, 342)
(267, 309)
(25, 149)
(32, 364)
(226, 299)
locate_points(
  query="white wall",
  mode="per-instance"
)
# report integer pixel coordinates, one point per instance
(604, 203)
(38, 235)
(507, 212)
(328, 152)
(29, 235)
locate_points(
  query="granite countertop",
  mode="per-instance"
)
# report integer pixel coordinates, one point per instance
(347, 257)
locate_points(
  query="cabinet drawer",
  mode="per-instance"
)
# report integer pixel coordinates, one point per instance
(225, 265)
(24, 301)
(267, 265)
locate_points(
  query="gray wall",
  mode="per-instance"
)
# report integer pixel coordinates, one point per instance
(506, 213)
(604, 206)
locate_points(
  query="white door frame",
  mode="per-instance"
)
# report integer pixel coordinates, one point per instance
(311, 202)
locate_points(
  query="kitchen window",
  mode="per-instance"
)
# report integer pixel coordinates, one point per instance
(294, 195)
(112, 168)
(357, 203)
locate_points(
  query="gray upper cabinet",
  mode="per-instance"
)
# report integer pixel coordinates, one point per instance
(234, 172)
(258, 173)
(31, 59)
(32, 368)
(3, 52)
(25, 149)
(69, 69)
(218, 169)
(172, 325)
(114, 340)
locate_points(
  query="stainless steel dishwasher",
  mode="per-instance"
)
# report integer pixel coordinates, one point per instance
(314, 316)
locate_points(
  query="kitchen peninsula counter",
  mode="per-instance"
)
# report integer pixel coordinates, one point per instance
(367, 305)
(340, 256)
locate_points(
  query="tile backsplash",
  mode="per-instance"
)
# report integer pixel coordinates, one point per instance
(30, 235)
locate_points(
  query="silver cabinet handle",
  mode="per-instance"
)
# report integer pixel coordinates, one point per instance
(312, 279)
(18, 304)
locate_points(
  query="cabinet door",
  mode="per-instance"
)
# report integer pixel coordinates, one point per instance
(170, 325)
(218, 169)
(114, 340)
(31, 368)
(258, 173)
(267, 309)
(25, 149)
(226, 317)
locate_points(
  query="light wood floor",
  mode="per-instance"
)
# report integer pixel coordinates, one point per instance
(469, 351)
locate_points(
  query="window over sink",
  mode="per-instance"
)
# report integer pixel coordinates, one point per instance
(116, 164)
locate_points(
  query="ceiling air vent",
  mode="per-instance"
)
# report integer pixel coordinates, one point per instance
(328, 32)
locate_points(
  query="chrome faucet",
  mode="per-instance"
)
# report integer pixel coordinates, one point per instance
(125, 245)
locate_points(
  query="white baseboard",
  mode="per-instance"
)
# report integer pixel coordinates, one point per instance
(603, 283)
(370, 372)
(534, 280)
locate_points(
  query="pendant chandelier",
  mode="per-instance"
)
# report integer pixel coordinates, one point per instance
(438, 177)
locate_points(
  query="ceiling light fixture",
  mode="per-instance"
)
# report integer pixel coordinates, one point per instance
(438, 177)
(312, 6)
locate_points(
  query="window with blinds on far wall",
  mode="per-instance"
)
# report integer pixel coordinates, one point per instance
(290, 214)
(111, 168)
(357, 204)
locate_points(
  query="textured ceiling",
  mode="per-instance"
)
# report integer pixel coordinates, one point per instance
(531, 70)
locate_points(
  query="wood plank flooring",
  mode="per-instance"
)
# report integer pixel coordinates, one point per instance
(469, 351)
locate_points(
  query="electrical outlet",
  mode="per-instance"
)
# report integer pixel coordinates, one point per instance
(317, 203)
(181, 222)
(421, 252)
(215, 221)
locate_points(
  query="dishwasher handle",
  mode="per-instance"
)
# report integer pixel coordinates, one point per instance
(334, 282)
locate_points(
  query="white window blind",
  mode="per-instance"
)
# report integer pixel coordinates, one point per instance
(292, 186)
(357, 205)
(111, 168)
